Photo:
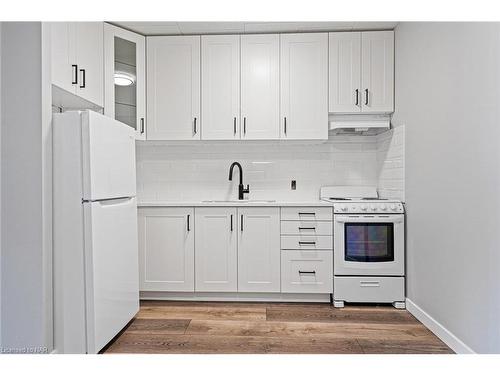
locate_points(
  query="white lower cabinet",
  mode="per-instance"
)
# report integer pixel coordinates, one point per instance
(306, 271)
(259, 249)
(216, 249)
(234, 249)
(166, 249)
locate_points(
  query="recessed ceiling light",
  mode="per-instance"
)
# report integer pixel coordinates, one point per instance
(124, 79)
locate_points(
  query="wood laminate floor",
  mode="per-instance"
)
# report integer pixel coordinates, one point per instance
(234, 327)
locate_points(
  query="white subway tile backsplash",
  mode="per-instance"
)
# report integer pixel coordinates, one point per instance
(193, 172)
(390, 163)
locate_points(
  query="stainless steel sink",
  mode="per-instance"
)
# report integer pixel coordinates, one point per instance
(244, 201)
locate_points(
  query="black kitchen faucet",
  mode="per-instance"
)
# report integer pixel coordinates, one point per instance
(241, 189)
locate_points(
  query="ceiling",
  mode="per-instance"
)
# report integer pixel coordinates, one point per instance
(187, 28)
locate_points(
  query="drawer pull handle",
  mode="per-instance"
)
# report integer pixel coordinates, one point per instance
(307, 228)
(307, 213)
(369, 284)
(307, 272)
(307, 243)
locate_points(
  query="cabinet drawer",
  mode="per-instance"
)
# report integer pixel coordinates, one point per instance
(316, 228)
(306, 213)
(306, 271)
(369, 289)
(306, 242)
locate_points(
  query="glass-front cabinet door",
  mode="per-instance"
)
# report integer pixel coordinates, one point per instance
(125, 77)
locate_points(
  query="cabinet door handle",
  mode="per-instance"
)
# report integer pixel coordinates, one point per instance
(244, 125)
(82, 86)
(231, 222)
(307, 213)
(142, 125)
(307, 228)
(357, 97)
(285, 126)
(74, 81)
(234, 125)
(241, 223)
(188, 227)
(366, 96)
(307, 272)
(307, 242)
(194, 126)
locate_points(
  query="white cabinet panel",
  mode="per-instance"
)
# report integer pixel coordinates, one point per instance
(173, 87)
(220, 72)
(63, 55)
(125, 52)
(260, 86)
(345, 72)
(306, 271)
(166, 249)
(304, 86)
(307, 242)
(377, 71)
(90, 58)
(307, 214)
(259, 249)
(216, 249)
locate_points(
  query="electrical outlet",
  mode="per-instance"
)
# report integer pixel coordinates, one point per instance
(294, 185)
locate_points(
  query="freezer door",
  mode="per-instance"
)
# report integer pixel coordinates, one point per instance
(108, 158)
(111, 268)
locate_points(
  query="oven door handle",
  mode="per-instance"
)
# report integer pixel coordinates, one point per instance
(370, 219)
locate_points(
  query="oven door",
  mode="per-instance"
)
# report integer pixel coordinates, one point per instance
(368, 245)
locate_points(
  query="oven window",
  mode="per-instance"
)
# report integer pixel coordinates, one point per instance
(369, 242)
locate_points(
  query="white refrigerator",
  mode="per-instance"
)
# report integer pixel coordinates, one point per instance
(96, 280)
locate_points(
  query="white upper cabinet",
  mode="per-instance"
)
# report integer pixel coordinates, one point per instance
(260, 86)
(304, 86)
(220, 87)
(90, 57)
(259, 249)
(377, 71)
(345, 69)
(125, 77)
(361, 72)
(166, 249)
(63, 56)
(173, 87)
(216, 249)
(77, 59)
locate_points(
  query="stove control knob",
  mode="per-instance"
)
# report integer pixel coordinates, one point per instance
(383, 207)
(373, 207)
(343, 207)
(363, 207)
(393, 207)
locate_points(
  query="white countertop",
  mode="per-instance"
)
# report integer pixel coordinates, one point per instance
(243, 203)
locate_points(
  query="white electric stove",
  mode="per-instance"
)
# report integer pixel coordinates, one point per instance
(369, 246)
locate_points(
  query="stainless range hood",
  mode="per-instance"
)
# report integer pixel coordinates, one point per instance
(359, 124)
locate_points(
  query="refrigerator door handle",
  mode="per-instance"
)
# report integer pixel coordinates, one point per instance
(111, 201)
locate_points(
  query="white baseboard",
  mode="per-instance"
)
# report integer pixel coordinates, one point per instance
(457, 345)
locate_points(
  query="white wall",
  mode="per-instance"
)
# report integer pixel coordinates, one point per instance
(448, 97)
(0, 184)
(26, 222)
(183, 172)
